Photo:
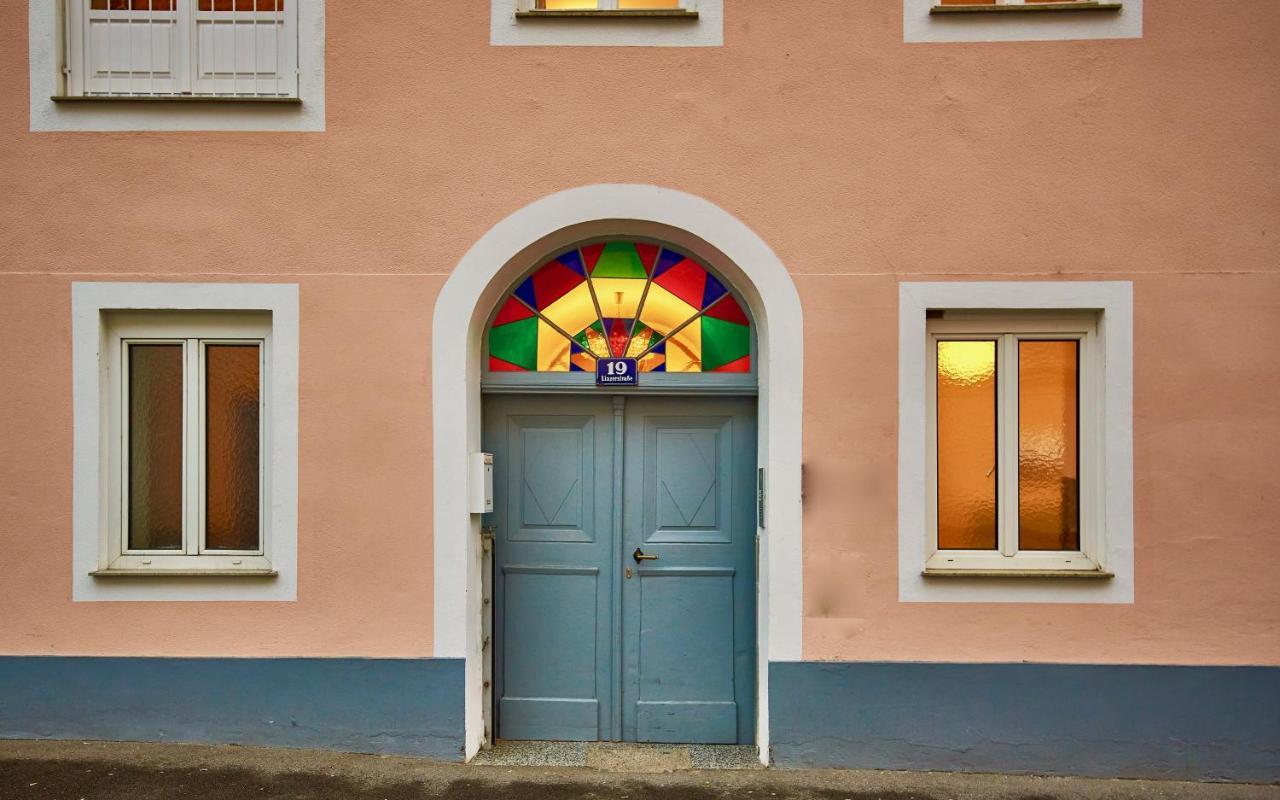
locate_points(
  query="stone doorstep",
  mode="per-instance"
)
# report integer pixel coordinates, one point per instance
(627, 757)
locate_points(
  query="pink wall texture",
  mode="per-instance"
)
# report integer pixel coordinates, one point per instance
(861, 160)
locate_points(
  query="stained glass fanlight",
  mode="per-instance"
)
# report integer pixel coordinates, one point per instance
(620, 299)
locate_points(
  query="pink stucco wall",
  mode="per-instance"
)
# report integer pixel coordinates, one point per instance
(862, 161)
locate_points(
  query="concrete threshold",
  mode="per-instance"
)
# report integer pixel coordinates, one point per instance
(620, 756)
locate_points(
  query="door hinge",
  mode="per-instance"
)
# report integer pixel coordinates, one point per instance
(486, 537)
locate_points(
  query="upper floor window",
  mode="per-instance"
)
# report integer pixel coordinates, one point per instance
(1028, 5)
(607, 23)
(1020, 20)
(181, 48)
(610, 5)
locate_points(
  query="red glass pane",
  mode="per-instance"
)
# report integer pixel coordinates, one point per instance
(132, 5)
(241, 5)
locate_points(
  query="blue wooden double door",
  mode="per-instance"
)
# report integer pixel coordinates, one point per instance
(624, 567)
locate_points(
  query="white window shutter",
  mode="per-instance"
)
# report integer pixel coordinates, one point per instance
(125, 52)
(184, 51)
(247, 52)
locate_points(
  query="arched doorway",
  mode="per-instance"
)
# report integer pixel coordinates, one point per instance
(474, 288)
(625, 486)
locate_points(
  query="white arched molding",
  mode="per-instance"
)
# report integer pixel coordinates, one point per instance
(478, 282)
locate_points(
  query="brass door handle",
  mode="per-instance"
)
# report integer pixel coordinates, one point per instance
(639, 556)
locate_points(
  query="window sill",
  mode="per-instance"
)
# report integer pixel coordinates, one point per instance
(173, 98)
(1087, 5)
(184, 573)
(1092, 574)
(620, 13)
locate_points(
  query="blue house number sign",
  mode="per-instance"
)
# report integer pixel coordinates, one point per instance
(616, 372)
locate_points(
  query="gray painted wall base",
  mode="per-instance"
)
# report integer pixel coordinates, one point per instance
(402, 706)
(1216, 723)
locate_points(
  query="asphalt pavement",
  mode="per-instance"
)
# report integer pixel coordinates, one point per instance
(55, 770)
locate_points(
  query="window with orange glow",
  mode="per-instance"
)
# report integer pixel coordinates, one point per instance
(1008, 440)
(605, 5)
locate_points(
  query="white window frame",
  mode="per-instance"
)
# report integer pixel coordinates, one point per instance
(606, 5)
(193, 331)
(1007, 330)
(1111, 304)
(51, 110)
(188, 21)
(510, 24)
(921, 26)
(96, 310)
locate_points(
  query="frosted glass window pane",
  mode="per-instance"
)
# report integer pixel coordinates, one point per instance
(565, 5)
(1048, 445)
(231, 447)
(648, 3)
(967, 445)
(155, 447)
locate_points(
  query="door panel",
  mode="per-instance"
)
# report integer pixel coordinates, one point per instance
(555, 495)
(685, 495)
(689, 615)
(550, 692)
(590, 644)
(686, 674)
(554, 566)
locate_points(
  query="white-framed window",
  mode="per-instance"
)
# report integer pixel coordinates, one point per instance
(609, 5)
(1039, 5)
(1012, 444)
(1020, 20)
(192, 48)
(189, 452)
(1015, 442)
(607, 23)
(185, 480)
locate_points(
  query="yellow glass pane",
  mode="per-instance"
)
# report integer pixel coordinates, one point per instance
(641, 337)
(574, 311)
(618, 297)
(565, 5)
(651, 362)
(664, 312)
(1048, 440)
(648, 3)
(553, 349)
(597, 343)
(967, 445)
(684, 350)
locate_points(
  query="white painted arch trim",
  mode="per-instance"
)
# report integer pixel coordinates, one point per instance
(478, 282)
(1113, 300)
(89, 301)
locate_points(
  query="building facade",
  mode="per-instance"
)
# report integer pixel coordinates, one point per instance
(881, 384)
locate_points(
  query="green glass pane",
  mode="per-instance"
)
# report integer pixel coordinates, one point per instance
(516, 343)
(723, 342)
(619, 260)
